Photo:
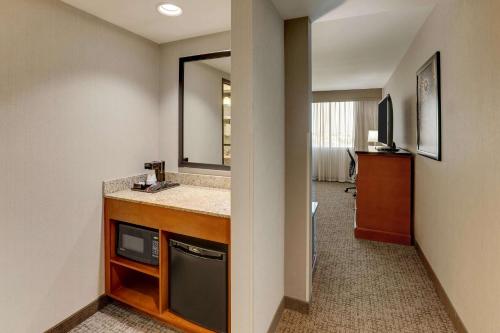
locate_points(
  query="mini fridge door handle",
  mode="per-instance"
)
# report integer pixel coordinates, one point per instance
(198, 251)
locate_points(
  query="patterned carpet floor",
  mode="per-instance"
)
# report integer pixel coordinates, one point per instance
(364, 286)
(115, 318)
(358, 286)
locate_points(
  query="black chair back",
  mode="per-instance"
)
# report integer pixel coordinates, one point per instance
(352, 165)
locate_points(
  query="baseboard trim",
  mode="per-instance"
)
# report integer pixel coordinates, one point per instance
(277, 317)
(450, 309)
(80, 316)
(382, 236)
(296, 305)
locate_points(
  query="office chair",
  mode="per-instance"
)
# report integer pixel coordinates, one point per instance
(352, 172)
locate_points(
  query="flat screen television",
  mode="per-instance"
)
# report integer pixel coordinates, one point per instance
(385, 128)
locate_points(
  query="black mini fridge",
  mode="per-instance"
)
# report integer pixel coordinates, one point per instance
(198, 282)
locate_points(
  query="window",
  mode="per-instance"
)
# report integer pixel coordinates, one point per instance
(333, 125)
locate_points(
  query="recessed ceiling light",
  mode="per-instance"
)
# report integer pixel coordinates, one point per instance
(169, 9)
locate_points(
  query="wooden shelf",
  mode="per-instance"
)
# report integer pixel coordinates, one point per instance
(137, 266)
(141, 296)
(135, 288)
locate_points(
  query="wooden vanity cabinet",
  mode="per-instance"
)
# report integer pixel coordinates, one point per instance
(145, 287)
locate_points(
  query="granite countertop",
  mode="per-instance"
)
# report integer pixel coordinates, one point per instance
(196, 199)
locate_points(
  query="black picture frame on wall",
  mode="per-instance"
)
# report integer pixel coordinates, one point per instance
(429, 108)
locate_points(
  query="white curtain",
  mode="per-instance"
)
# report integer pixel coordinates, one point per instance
(337, 126)
(366, 119)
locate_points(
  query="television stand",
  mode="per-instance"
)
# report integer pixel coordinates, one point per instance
(384, 204)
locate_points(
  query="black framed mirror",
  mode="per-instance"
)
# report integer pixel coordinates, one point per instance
(205, 111)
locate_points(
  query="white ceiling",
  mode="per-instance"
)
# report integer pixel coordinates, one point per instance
(352, 8)
(299, 8)
(200, 17)
(356, 44)
(359, 44)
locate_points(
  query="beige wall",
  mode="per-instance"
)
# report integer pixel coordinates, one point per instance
(258, 168)
(78, 104)
(298, 159)
(456, 201)
(268, 163)
(241, 166)
(169, 84)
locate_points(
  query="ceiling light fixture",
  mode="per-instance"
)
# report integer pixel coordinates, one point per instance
(169, 9)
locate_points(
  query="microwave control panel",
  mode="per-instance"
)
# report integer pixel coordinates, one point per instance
(155, 247)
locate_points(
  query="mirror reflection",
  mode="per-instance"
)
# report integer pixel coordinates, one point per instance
(206, 111)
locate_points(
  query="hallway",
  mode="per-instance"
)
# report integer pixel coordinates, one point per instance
(363, 286)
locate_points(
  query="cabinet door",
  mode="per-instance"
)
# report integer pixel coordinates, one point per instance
(384, 194)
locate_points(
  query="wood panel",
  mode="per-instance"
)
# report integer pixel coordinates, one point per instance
(384, 197)
(201, 226)
(137, 266)
(381, 236)
(109, 241)
(164, 253)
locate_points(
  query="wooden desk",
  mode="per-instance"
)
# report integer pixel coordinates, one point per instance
(384, 200)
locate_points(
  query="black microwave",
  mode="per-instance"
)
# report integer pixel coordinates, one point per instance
(137, 243)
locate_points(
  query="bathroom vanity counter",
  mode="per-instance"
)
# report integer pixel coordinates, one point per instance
(195, 199)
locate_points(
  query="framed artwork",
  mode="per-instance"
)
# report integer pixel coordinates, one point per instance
(429, 108)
